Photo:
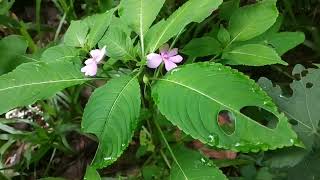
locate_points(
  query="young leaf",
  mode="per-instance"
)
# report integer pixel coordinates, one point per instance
(223, 36)
(60, 53)
(194, 167)
(76, 34)
(140, 14)
(191, 11)
(119, 44)
(194, 102)
(34, 81)
(98, 25)
(204, 46)
(284, 41)
(302, 106)
(112, 115)
(252, 20)
(252, 55)
(11, 47)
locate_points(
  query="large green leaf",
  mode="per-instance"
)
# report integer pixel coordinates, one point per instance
(140, 14)
(11, 47)
(61, 53)
(204, 46)
(98, 25)
(284, 41)
(253, 55)
(76, 35)
(30, 82)
(194, 167)
(302, 105)
(227, 8)
(118, 43)
(252, 20)
(112, 114)
(191, 11)
(194, 102)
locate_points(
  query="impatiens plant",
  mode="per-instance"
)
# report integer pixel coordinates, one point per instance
(148, 82)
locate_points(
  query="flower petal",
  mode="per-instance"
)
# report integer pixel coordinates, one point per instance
(90, 69)
(98, 54)
(154, 60)
(176, 59)
(173, 52)
(169, 65)
(89, 61)
(164, 49)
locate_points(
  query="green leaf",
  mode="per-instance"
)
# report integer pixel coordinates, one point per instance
(37, 80)
(76, 34)
(11, 48)
(118, 43)
(191, 11)
(227, 8)
(112, 115)
(284, 41)
(140, 14)
(194, 102)
(5, 6)
(252, 20)
(98, 25)
(307, 170)
(286, 157)
(193, 167)
(223, 36)
(204, 46)
(91, 174)
(61, 53)
(252, 55)
(302, 105)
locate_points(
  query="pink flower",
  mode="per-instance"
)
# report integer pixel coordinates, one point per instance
(91, 67)
(168, 57)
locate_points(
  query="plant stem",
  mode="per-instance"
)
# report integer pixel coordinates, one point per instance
(38, 19)
(169, 148)
(60, 26)
(24, 32)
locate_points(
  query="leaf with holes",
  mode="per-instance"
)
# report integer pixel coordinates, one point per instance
(30, 82)
(252, 20)
(194, 102)
(112, 115)
(194, 167)
(302, 106)
(191, 11)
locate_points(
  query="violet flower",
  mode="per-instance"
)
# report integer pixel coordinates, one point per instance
(168, 57)
(91, 67)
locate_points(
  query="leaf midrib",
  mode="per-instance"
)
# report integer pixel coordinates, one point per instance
(248, 54)
(167, 27)
(113, 105)
(45, 82)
